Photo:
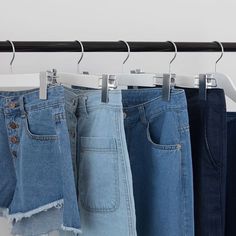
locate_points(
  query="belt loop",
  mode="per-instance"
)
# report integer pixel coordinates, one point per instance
(142, 114)
(84, 104)
(22, 107)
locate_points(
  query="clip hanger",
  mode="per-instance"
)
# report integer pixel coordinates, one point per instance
(169, 79)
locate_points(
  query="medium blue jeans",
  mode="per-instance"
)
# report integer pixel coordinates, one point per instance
(158, 140)
(36, 165)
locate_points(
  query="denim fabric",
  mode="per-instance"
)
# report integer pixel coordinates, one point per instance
(231, 175)
(208, 138)
(104, 176)
(35, 158)
(158, 140)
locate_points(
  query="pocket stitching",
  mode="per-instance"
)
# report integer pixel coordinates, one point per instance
(37, 136)
(161, 146)
(115, 203)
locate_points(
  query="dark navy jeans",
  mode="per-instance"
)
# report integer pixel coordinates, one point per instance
(209, 152)
(231, 175)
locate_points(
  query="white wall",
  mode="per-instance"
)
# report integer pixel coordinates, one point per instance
(149, 20)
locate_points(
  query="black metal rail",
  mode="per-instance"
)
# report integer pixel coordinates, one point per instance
(114, 46)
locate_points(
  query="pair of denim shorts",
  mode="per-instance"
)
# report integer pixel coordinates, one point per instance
(36, 164)
(208, 129)
(158, 140)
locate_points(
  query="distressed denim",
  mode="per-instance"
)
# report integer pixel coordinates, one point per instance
(36, 165)
(208, 129)
(104, 177)
(158, 140)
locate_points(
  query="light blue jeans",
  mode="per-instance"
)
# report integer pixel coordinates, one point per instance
(104, 176)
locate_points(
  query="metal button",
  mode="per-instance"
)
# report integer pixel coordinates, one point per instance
(12, 104)
(14, 139)
(124, 115)
(13, 125)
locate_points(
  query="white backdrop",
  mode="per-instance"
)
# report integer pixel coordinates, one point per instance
(133, 20)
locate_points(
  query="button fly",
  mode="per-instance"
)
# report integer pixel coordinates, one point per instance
(13, 125)
(14, 139)
(12, 105)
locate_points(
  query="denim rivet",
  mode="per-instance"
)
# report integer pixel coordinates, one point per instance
(178, 146)
(11, 104)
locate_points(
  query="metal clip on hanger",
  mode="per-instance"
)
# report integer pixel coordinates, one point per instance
(218, 80)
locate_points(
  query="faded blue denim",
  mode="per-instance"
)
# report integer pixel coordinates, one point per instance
(158, 140)
(36, 165)
(104, 176)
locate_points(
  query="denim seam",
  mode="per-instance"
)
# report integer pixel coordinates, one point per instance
(220, 173)
(116, 173)
(35, 136)
(183, 176)
(120, 131)
(156, 114)
(38, 107)
(161, 147)
(210, 155)
(99, 106)
(158, 98)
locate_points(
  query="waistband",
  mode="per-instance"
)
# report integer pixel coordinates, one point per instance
(29, 99)
(139, 97)
(76, 98)
(215, 97)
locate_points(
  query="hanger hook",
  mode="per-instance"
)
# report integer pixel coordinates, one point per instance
(176, 51)
(128, 47)
(13, 52)
(82, 53)
(222, 52)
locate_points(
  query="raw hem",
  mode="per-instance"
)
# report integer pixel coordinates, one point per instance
(18, 216)
(2, 211)
(74, 230)
(64, 228)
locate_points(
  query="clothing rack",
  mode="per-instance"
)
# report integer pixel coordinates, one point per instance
(114, 46)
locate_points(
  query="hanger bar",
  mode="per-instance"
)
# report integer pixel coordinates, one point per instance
(114, 46)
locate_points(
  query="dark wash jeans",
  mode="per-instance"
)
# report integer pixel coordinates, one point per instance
(208, 132)
(231, 175)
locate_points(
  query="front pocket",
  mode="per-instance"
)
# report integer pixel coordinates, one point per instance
(40, 125)
(98, 174)
(163, 132)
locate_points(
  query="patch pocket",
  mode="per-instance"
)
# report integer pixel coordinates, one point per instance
(40, 125)
(98, 174)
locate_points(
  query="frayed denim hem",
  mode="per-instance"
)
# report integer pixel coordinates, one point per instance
(70, 229)
(18, 216)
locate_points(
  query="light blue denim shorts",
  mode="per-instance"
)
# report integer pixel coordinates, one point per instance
(35, 158)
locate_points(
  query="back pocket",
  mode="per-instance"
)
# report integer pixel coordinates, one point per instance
(98, 174)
